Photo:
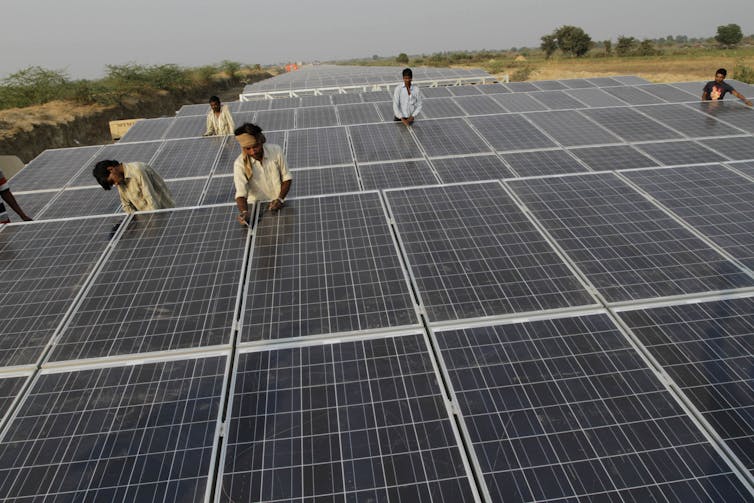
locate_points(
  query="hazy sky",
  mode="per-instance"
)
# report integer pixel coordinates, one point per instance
(82, 36)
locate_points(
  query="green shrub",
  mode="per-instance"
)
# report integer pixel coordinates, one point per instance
(743, 73)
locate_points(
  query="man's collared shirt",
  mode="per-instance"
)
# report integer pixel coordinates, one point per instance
(143, 189)
(220, 125)
(405, 105)
(265, 178)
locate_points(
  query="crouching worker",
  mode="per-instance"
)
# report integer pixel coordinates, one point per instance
(139, 186)
(259, 173)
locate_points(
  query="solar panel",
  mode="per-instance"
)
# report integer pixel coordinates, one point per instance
(479, 105)
(604, 81)
(731, 113)
(187, 127)
(510, 132)
(470, 168)
(279, 103)
(319, 181)
(275, 119)
(577, 83)
(360, 113)
(518, 102)
(594, 97)
(325, 266)
(123, 152)
(714, 201)
(448, 137)
(629, 124)
(544, 162)
(438, 107)
(464, 90)
(187, 157)
(147, 129)
(10, 391)
(253, 105)
(630, 80)
(396, 174)
(52, 169)
(31, 202)
(557, 100)
(570, 128)
(687, 121)
(116, 434)
(196, 109)
(345, 99)
(318, 147)
(244, 117)
(679, 152)
(668, 93)
(44, 266)
(170, 282)
(375, 96)
(738, 149)
(315, 101)
(186, 191)
(566, 409)
(353, 421)
(627, 247)
(492, 88)
(705, 348)
(82, 201)
(383, 142)
(613, 157)
(434, 92)
(633, 95)
(315, 117)
(694, 88)
(220, 189)
(472, 253)
(521, 87)
(549, 85)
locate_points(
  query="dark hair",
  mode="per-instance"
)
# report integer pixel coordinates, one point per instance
(214, 99)
(408, 73)
(722, 71)
(101, 172)
(252, 129)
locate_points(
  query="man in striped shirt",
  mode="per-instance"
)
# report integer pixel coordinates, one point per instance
(7, 196)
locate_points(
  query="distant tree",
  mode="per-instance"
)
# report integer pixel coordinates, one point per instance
(375, 57)
(646, 48)
(33, 85)
(608, 47)
(549, 45)
(729, 35)
(231, 68)
(681, 39)
(402, 58)
(572, 40)
(625, 45)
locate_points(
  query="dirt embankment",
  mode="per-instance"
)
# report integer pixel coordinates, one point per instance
(26, 132)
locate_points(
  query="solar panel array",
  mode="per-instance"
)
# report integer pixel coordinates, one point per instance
(541, 291)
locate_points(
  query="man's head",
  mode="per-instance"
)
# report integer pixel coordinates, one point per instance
(720, 75)
(214, 103)
(107, 173)
(407, 76)
(251, 139)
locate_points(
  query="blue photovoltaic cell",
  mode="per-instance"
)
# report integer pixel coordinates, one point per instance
(464, 90)
(316, 117)
(449, 137)
(706, 349)
(440, 107)
(10, 389)
(254, 105)
(679, 152)
(187, 127)
(627, 247)
(630, 125)
(220, 189)
(594, 97)
(396, 174)
(689, 122)
(274, 120)
(735, 114)
(510, 132)
(549, 85)
(31, 202)
(116, 434)
(739, 149)
(383, 142)
(316, 100)
(567, 410)
(556, 100)
(44, 267)
(543, 162)
(187, 157)
(570, 128)
(479, 105)
(325, 265)
(318, 147)
(360, 113)
(353, 421)
(633, 95)
(52, 169)
(319, 181)
(613, 157)
(471, 168)
(147, 129)
(517, 102)
(473, 253)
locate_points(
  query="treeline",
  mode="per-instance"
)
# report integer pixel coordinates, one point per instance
(36, 85)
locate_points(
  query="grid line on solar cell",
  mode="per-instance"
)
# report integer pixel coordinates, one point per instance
(318, 147)
(471, 168)
(187, 157)
(510, 132)
(44, 267)
(613, 157)
(147, 129)
(679, 152)
(543, 162)
(627, 247)
(315, 117)
(705, 348)
(10, 390)
(170, 282)
(565, 409)
(396, 174)
(383, 142)
(448, 137)
(122, 152)
(739, 148)
(116, 434)
(687, 121)
(52, 169)
(473, 253)
(320, 181)
(713, 200)
(359, 113)
(630, 125)
(353, 421)
(322, 266)
(570, 128)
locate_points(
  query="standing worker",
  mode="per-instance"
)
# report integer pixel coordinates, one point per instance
(407, 100)
(219, 119)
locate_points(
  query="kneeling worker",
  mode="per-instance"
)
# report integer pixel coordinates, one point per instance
(139, 186)
(259, 173)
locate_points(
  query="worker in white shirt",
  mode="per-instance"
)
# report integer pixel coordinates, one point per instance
(407, 100)
(219, 119)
